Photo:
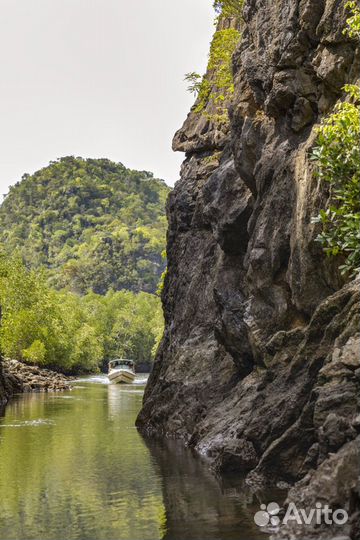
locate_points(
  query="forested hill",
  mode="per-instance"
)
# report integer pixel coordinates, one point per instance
(92, 223)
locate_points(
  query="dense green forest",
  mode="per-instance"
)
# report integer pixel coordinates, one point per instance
(90, 223)
(81, 257)
(74, 333)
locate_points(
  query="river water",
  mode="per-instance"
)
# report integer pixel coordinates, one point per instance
(73, 466)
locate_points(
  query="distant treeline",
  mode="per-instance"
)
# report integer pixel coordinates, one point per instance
(72, 333)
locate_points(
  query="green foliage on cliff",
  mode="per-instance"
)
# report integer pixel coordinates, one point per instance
(337, 154)
(90, 223)
(217, 85)
(353, 22)
(221, 85)
(63, 330)
(229, 8)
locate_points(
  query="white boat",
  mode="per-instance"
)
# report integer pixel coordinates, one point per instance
(121, 371)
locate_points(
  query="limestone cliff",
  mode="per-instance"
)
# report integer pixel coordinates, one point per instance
(259, 367)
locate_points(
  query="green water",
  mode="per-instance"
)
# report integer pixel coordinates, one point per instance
(73, 466)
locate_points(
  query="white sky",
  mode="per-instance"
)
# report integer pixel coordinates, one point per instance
(97, 78)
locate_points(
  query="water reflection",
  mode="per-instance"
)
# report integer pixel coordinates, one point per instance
(199, 506)
(120, 400)
(87, 474)
(73, 466)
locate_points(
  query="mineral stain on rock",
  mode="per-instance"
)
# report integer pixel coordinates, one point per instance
(259, 366)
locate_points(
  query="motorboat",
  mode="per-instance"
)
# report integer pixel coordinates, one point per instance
(121, 371)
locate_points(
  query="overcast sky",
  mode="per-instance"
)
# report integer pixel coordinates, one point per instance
(97, 78)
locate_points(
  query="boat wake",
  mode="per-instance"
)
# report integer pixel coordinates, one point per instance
(140, 379)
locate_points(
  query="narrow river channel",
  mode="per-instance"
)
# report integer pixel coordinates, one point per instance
(73, 466)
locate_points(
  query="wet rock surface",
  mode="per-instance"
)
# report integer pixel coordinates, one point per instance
(259, 366)
(17, 377)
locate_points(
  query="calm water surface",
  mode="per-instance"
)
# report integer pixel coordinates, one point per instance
(73, 466)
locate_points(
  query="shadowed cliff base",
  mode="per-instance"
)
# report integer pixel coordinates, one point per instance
(259, 365)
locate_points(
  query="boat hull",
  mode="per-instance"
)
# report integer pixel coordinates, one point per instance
(121, 376)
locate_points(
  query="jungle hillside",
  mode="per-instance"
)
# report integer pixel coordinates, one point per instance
(81, 258)
(91, 224)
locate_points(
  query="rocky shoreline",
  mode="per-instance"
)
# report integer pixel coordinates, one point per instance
(17, 378)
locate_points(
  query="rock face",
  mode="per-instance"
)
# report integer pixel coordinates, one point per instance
(3, 395)
(8, 386)
(259, 366)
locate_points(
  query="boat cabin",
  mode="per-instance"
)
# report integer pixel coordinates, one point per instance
(121, 363)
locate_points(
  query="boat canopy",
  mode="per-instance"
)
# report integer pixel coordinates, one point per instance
(121, 362)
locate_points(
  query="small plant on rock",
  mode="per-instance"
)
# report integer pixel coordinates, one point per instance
(353, 22)
(337, 154)
(217, 85)
(229, 8)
